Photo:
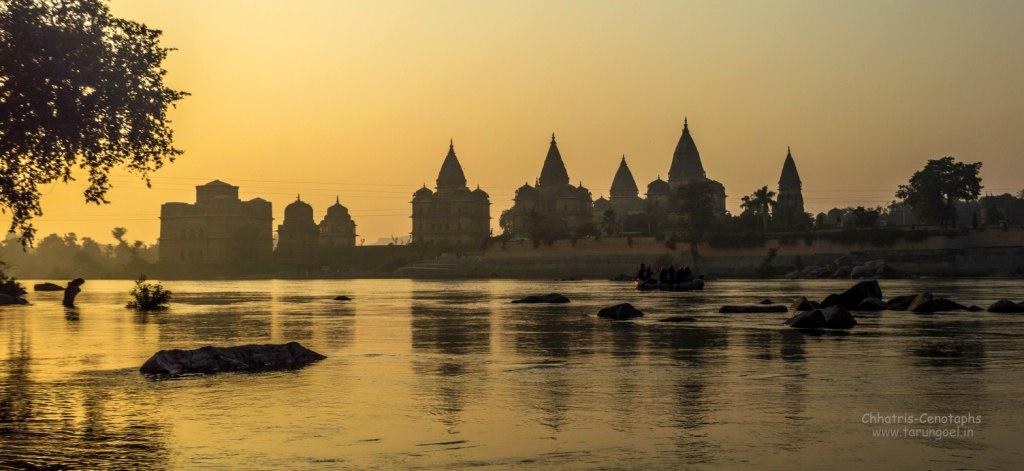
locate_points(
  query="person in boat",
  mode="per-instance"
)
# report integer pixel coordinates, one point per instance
(685, 274)
(671, 274)
(642, 274)
(650, 274)
(662, 275)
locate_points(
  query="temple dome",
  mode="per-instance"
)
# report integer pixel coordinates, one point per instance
(337, 211)
(297, 211)
(658, 187)
(422, 193)
(526, 190)
(479, 193)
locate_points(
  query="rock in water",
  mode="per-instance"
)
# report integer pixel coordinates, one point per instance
(870, 304)
(850, 298)
(834, 317)
(926, 303)
(974, 308)
(243, 358)
(6, 299)
(342, 298)
(900, 303)
(1006, 306)
(803, 304)
(550, 298)
(47, 287)
(752, 308)
(767, 301)
(620, 312)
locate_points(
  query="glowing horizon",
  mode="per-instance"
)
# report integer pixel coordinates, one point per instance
(359, 100)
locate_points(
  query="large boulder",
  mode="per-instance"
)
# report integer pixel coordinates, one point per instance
(900, 303)
(927, 303)
(47, 287)
(870, 304)
(243, 358)
(850, 298)
(803, 304)
(620, 312)
(1006, 306)
(752, 308)
(550, 298)
(342, 297)
(6, 299)
(834, 317)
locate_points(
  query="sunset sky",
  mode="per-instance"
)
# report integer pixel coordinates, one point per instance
(359, 99)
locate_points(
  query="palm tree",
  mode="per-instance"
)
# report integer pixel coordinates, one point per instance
(761, 204)
(609, 224)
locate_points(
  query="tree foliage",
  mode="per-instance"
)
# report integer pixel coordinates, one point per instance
(79, 89)
(759, 205)
(697, 208)
(148, 296)
(934, 190)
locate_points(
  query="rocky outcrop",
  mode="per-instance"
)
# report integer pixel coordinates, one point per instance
(926, 303)
(6, 300)
(752, 308)
(766, 301)
(1006, 306)
(834, 317)
(803, 304)
(550, 298)
(47, 287)
(342, 298)
(620, 312)
(852, 297)
(846, 267)
(900, 303)
(870, 304)
(74, 287)
(244, 358)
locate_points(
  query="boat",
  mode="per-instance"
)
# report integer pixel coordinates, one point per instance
(692, 285)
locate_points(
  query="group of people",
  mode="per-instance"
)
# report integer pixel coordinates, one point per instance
(667, 275)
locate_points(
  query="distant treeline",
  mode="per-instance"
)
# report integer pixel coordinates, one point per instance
(66, 256)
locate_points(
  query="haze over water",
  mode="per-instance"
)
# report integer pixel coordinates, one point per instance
(437, 374)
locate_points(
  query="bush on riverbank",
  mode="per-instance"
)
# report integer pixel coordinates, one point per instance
(148, 296)
(9, 285)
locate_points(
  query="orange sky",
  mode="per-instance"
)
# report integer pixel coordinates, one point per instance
(359, 99)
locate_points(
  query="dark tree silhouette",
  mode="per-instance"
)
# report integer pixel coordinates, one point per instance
(934, 190)
(79, 88)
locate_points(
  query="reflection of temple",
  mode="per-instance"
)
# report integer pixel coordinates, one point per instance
(453, 216)
(219, 231)
(553, 206)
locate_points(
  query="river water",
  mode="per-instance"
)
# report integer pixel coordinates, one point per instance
(448, 374)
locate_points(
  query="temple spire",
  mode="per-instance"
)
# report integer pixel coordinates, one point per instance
(451, 175)
(623, 184)
(686, 164)
(553, 172)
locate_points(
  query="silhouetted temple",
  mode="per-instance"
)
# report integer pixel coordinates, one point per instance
(337, 229)
(219, 232)
(298, 235)
(789, 207)
(452, 216)
(554, 206)
(687, 168)
(624, 198)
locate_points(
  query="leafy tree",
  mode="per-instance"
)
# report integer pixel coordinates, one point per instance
(609, 222)
(864, 218)
(760, 205)
(934, 190)
(697, 208)
(79, 89)
(148, 296)
(119, 233)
